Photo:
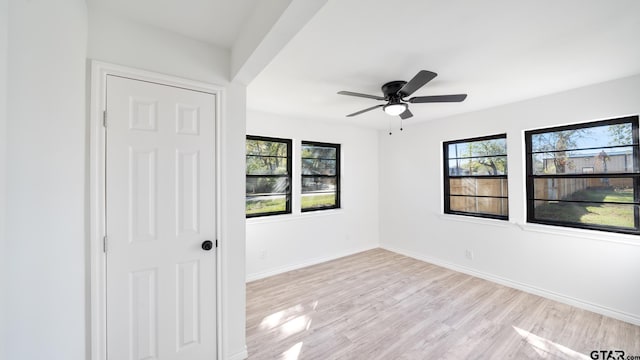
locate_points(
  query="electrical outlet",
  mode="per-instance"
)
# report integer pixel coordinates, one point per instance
(469, 254)
(263, 254)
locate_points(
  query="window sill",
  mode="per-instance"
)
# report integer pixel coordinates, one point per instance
(581, 233)
(294, 216)
(617, 238)
(477, 220)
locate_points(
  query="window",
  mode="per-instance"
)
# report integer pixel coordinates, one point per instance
(268, 176)
(475, 177)
(320, 176)
(585, 175)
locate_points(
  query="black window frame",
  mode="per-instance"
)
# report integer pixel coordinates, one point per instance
(448, 177)
(634, 175)
(337, 175)
(289, 175)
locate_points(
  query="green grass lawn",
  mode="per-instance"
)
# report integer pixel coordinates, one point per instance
(275, 205)
(597, 214)
(266, 206)
(314, 201)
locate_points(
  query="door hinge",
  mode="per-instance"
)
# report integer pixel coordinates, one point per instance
(104, 244)
(104, 118)
(216, 243)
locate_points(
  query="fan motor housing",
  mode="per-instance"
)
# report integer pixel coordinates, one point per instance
(390, 89)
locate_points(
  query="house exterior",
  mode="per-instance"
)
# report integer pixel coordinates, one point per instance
(596, 163)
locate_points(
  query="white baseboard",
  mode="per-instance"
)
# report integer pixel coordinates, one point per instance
(239, 356)
(314, 261)
(603, 310)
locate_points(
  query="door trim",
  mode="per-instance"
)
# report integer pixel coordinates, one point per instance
(99, 71)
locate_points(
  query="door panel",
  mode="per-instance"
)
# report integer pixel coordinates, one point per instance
(160, 208)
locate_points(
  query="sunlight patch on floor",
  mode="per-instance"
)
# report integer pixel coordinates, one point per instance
(276, 319)
(548, 349)
(296, 325)
(290, 321)
(272, 320)
(293, 353)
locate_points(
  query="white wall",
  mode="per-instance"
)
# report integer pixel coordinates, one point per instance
(284, 242)
(45, 173)
(4, 27)
(233, 230)
(594, 270)
(118, 41)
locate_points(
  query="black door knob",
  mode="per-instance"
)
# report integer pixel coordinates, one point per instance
(207, 245)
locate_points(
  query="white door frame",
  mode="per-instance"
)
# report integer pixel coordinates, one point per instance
(97, 211)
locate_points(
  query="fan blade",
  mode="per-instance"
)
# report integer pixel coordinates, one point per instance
(418, 81)
(438, 98)
(406, 114)
(351, 93)
(364, 111)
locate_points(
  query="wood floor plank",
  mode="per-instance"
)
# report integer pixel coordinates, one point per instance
(382, 305)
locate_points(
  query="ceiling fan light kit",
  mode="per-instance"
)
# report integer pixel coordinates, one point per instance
(395, 93)
(395, 109)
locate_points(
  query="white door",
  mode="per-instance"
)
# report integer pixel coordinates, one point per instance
(160, 199)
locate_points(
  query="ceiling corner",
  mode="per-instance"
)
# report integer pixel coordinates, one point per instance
(270, 27)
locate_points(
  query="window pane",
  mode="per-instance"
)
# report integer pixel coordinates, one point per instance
(490, 165)
(459, 150)
(478, 148)
(620, 134)
(267, 185)
(460, 167)
(318, 184)
(470, 204)
(476, 186)
(318, 167)
(266, 204)
(484, 166)
(599, 161)
(260, 165)
(315, 151)
(617, 215)
(266, 148)
(585, 189)
(583, 137)
(319, 200)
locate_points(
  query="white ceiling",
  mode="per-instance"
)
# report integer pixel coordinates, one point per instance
(217, 22)
(496, 51)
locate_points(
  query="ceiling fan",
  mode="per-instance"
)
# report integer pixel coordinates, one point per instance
(396, 93)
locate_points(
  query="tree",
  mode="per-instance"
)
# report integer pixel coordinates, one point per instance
(555, 145)
(495, 151)
(318, 160)
(488, 155)
(266, 157)
(620, 134)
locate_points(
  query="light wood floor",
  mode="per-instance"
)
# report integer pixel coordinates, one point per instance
(381, 305)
